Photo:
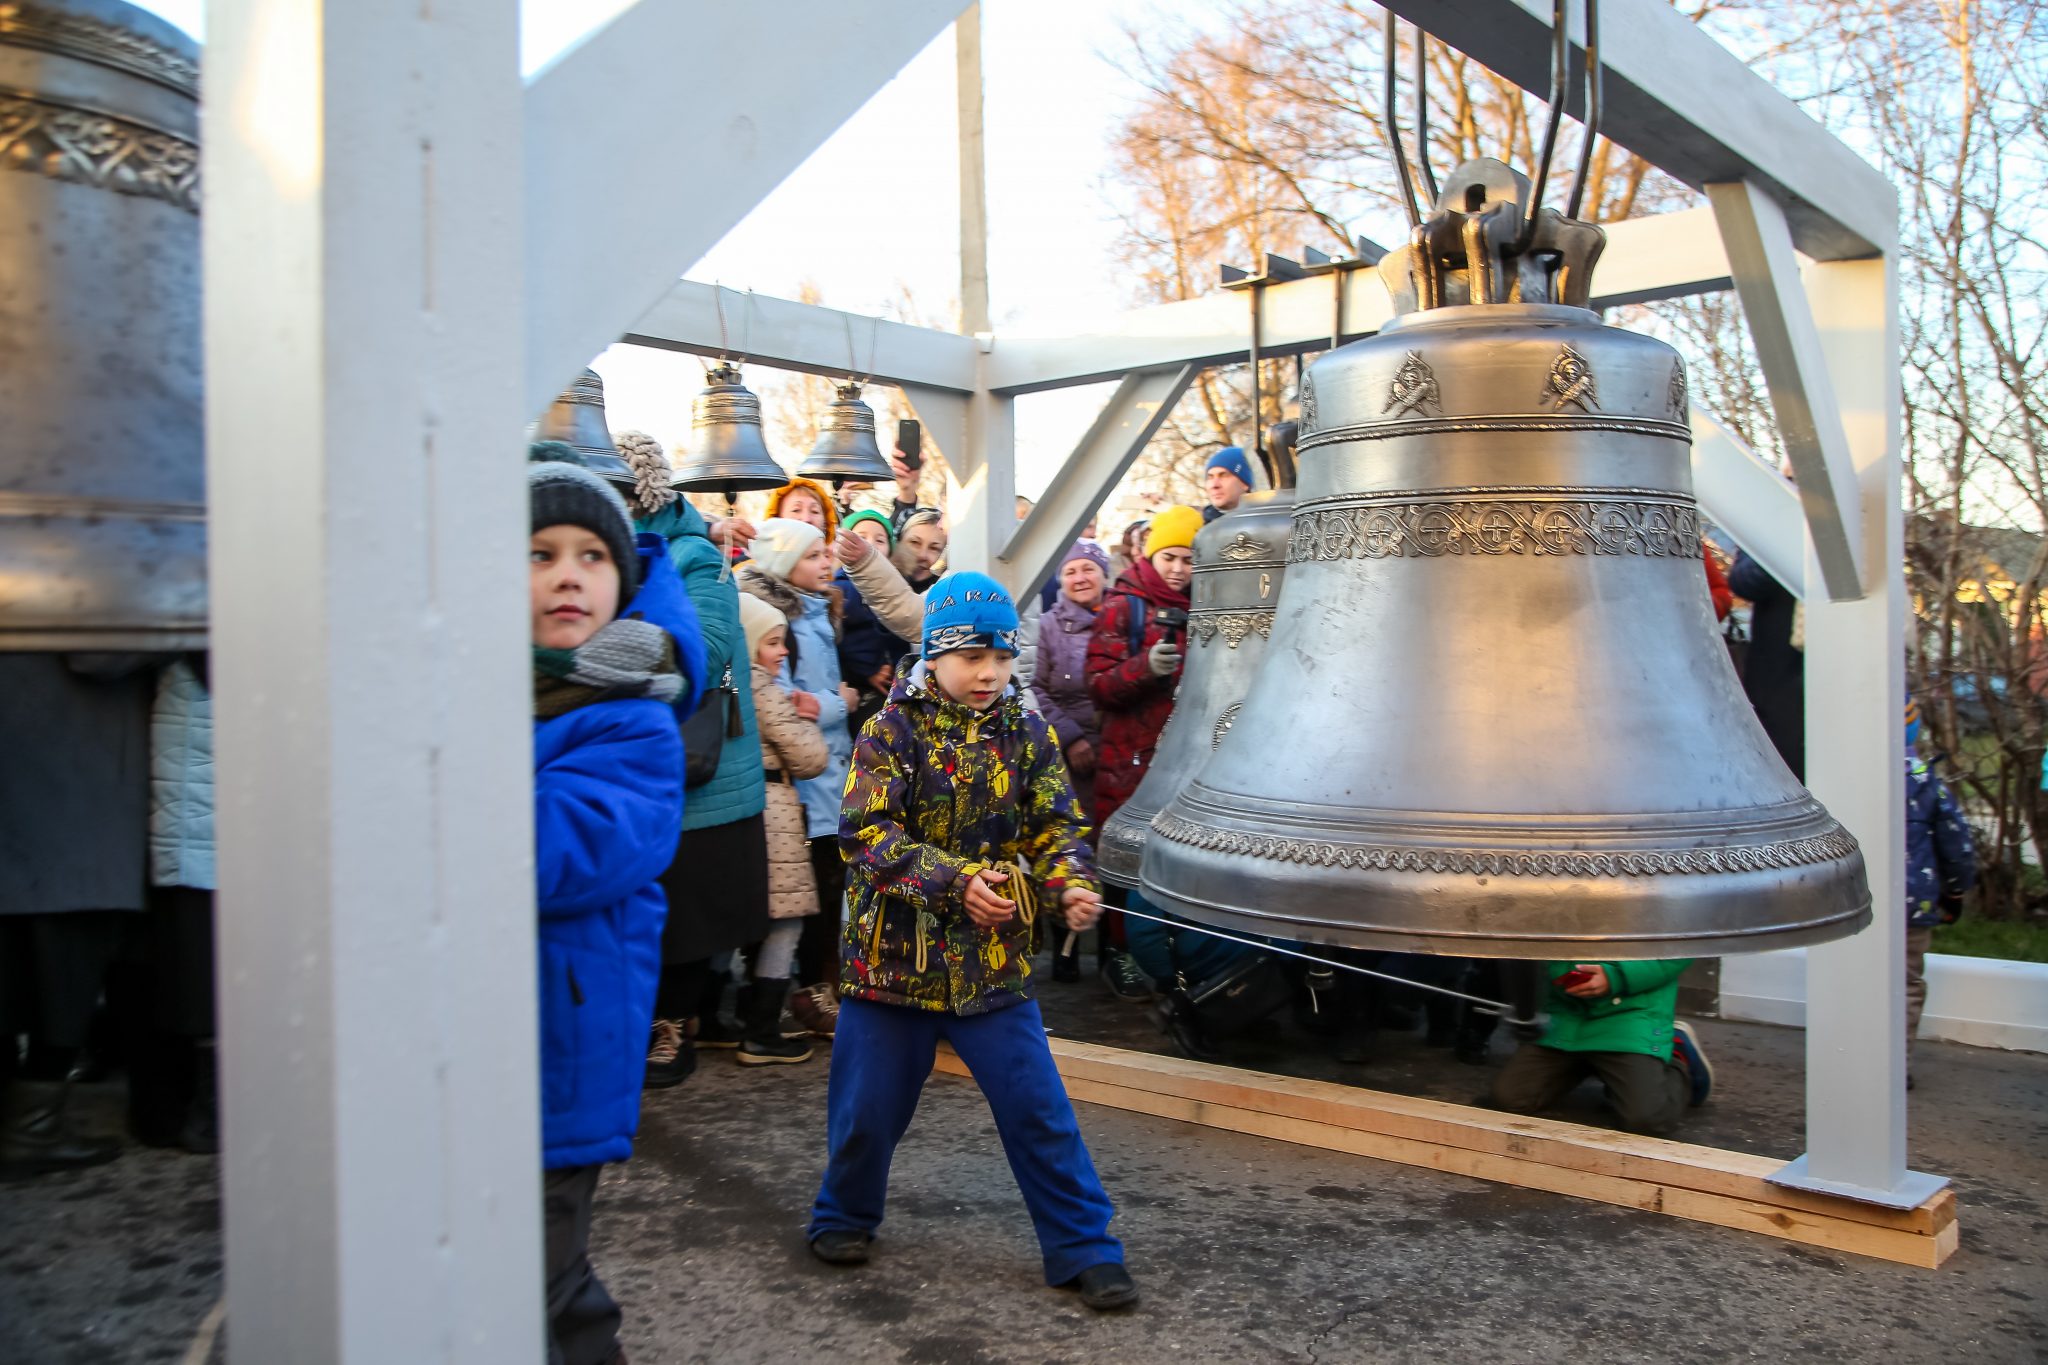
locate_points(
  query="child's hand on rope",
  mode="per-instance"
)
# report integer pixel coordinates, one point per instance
(984, 906)
(1082, 906)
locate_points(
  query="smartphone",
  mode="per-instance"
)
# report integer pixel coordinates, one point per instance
(1577, 976)
(910, 441)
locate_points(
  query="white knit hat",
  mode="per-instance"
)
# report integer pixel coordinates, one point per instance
(781, 543)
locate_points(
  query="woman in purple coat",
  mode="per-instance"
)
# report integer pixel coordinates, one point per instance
(1059, 680)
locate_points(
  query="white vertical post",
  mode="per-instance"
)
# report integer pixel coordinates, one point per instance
(372, 681)
(981, 486)
(1855, 741)
(974, 316)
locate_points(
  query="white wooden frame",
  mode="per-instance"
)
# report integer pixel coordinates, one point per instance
(408, 252)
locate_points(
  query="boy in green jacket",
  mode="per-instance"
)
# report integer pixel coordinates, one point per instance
(1612, 1020)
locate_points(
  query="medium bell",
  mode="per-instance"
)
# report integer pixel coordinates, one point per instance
(577, 420)
(1495, 717)
(1239, 560)
(728, 453)
(846, 450)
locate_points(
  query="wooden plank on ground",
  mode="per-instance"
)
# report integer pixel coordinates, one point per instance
(1702, 1184)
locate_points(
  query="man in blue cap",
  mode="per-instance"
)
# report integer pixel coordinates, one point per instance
(1228, 477)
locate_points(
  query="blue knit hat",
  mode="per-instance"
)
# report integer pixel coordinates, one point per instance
(968, 611)
(1232, 460)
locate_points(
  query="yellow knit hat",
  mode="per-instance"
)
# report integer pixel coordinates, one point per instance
(1173, 528)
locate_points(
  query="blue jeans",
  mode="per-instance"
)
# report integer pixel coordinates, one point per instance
(881, 1055)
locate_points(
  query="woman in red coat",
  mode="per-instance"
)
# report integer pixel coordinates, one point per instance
(1134, 663)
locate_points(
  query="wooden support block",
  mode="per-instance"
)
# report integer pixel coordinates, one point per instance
(1702, 1184)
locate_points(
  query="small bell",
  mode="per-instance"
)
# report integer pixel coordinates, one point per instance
(846, 450)
(728, 454)
(577, 420)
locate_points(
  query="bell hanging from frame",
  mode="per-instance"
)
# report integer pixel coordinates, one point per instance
(846, 450)
(577, 420)
(1496, 717)
(1240, 560)
(727, 453)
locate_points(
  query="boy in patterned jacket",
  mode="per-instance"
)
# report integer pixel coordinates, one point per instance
(959, 827)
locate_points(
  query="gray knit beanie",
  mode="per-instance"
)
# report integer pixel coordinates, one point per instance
(564, 494)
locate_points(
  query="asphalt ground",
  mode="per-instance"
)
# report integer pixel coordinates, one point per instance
(1245, 1249)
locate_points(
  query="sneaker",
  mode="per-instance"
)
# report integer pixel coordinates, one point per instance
(841, 1247)
(780, 1052)
(670, 1058)
(1687, 1052)
(1126, 980)
(1106, 1287)
(817, 1009)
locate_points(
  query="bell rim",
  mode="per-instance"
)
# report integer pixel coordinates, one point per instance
(1716, 941)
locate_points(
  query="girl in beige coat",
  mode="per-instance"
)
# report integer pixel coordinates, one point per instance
(792, 748)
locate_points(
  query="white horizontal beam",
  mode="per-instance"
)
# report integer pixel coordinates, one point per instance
(1789, 351)
(1660, 257)
(807, 337)
(653, 138)
(1678, 99)
(1742, 493)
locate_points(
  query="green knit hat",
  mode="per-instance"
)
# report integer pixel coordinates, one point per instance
(870, 514)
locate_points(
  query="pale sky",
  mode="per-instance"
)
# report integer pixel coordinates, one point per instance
(874, 213)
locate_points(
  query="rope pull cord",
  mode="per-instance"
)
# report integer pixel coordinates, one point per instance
(1506, 1012)
(1022, 890)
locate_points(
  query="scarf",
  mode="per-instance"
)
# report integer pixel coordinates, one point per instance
(628, 658)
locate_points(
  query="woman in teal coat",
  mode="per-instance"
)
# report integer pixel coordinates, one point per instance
(717, 884)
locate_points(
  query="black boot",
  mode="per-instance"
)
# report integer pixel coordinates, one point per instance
(764, 1044)
(712, 1029)
(201, 1131)
(37, 1136)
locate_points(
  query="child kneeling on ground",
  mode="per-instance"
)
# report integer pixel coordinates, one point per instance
(957, 796)
(608, 808)
(1614, 1020)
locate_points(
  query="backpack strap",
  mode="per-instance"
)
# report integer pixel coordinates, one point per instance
(1134, 622)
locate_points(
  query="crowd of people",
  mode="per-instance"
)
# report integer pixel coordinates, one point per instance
(795, 784)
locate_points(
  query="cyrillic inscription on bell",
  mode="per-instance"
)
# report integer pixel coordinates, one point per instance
(1495, 716)
(1239, 560)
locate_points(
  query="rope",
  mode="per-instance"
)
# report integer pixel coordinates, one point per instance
(1505, 1011)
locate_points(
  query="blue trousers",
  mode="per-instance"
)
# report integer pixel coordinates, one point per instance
(881, 1055)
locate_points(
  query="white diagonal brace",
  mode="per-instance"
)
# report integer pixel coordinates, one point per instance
(1788, 348)
(1690, 107)
(1664, 256)
(1131, 418)
(806, 337)
(613, 215)
(1739, 491)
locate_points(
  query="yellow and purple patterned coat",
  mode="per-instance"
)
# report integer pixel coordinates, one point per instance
(938, 791)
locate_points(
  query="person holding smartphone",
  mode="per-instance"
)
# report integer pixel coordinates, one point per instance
(1616, 1021)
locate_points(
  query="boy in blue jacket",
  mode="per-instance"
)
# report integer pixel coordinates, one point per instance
(608, 806)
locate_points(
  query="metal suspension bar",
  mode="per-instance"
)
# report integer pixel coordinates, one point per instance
(1592, 108)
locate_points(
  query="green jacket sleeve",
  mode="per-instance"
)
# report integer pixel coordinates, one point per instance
(1639, 978)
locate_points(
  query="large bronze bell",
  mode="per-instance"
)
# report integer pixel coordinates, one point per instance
(102, 461)
(846, 450)
(1239, 560)
(728, 453)
(1495, 717)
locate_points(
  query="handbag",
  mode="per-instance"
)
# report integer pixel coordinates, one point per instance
(716, 719)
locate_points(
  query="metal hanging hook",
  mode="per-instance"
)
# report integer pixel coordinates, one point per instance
(1394, 129)
(1593, 93)
(1422, 117)
(1560, 71)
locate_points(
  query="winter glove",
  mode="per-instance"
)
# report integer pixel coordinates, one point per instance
(1163, 659)
(1951, 909)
